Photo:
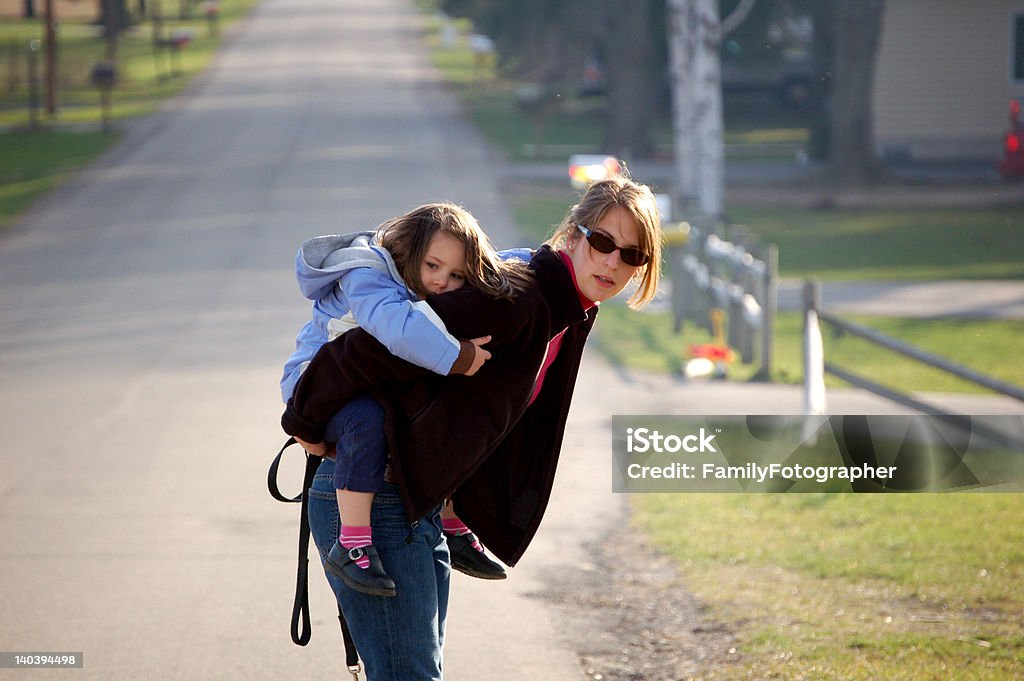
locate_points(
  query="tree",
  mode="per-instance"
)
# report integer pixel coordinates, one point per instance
(695, 70)
(857, 28)
(536, 40)
(549, 42)
(633, 75)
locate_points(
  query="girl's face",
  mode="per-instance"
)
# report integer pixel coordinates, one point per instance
(444, 266)
(601, 276)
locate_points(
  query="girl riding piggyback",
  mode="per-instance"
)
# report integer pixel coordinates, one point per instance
(378, 280)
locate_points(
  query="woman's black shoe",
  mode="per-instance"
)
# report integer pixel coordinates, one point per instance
(371, 580)
(468, 560)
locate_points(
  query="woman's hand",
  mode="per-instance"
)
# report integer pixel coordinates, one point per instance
(318, 449)
(480, 355)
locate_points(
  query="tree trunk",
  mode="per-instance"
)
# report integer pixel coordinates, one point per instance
(631, 87)
(857, 31)
(696, 77)
(114, 16)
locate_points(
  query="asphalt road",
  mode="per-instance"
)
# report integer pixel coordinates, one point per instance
(145, 311)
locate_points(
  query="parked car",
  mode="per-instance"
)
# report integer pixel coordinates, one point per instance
(786, 75)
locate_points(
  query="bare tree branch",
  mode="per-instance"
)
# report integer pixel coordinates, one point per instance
(737, 16)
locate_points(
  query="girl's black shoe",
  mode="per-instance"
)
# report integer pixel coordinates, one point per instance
(468, 560)
(371, 580)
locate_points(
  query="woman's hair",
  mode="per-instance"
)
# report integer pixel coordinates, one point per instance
(637, 200)
(408, 236)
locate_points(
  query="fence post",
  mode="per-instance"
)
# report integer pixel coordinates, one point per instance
(815, 403)
(769, 304)
(676, 241)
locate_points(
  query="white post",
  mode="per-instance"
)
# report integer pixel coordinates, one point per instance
(694, 35)
(815, 403)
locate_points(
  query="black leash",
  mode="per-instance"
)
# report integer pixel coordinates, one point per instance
(300, 624)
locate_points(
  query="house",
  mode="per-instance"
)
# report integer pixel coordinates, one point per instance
(946, 72)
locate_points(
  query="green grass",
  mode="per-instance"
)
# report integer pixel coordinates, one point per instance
(32, 163)
(538, 217)
(912, 243)
(842, 586)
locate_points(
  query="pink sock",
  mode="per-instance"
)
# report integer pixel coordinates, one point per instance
(458, 528)
(354, 537)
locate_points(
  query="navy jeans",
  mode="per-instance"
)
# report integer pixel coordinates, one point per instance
(361, 450)
(398, 638)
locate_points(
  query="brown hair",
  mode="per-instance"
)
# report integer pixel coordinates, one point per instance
(637, 200)
(408, 236)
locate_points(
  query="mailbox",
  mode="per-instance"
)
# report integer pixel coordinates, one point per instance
(104, 74)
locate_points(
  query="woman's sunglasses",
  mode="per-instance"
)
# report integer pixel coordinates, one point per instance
(602, 243)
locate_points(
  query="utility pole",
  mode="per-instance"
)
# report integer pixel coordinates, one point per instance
(111, 28)
(51, 59)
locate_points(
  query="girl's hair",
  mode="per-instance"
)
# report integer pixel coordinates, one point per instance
(637, 200)
(407, 237)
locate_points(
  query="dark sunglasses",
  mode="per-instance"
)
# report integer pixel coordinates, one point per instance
(602, 243)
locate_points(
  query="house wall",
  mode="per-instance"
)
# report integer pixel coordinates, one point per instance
(943, 78)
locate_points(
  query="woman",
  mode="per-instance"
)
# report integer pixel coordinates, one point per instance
(490, 441)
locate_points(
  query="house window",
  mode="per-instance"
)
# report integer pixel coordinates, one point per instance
(1017, 48)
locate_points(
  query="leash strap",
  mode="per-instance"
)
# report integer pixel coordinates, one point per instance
(300, 623)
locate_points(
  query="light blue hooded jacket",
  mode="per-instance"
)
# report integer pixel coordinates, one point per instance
(354, 282)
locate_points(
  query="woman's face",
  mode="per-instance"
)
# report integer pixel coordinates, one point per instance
(601, 276)
(444, 265)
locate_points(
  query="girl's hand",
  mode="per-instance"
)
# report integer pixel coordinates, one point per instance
(480, 355)
(319, 449)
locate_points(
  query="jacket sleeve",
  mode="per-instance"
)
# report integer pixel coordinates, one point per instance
(356, 363)
(353, 364)
(408, 329)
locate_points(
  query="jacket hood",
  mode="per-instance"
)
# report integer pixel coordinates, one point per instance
(322, 259)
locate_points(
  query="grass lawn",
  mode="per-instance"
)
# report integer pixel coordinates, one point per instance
(911, 243)
(32, 163)
(843, 586)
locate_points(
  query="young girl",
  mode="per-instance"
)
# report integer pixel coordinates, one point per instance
(378, 281)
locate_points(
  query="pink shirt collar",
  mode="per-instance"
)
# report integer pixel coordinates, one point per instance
(587, 303)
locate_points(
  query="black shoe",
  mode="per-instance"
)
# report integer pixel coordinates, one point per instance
(468, 560)
(371, 580)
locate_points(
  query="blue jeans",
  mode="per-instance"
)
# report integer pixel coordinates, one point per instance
(361, 451)
(399, 638)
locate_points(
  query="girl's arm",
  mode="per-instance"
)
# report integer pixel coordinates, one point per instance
(409, 330)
